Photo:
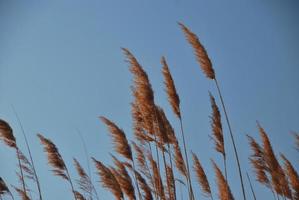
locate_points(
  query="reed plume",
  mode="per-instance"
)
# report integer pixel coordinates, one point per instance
(223, 187)
(7, 136)
(31, 162)
(217, 131)
(4, 189)
(142, 162)
(293, 177)
(79, 196)
(84, 182)
(174, 101)
(179, 160)
(23, 194)
(173, 97)
(142, 91)
(121, 144)
(200, 52)
(120, 141)
(138, 125)
(171, 182)
(158, 183)
(217, 127)
(278, 178)
(206, 66)
(108, 180)
(201, 177)
(258, 162)
(56, 161)
(123, 178)
(147, 194)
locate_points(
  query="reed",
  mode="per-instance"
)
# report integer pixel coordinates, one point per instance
(7, 136)
(201, 177)
(108, 180)
(207, 68)
(56, 161)
(32, 166)
(224, 191)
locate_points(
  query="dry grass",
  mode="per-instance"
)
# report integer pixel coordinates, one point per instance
(153, 178)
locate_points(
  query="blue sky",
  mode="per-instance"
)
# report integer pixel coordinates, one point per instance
(61, 67)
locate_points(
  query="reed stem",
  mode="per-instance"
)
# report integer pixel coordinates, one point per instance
(29, 152)
(187, 162)
(137, 185)
(251, 187)
(70, 181)
(232, 138)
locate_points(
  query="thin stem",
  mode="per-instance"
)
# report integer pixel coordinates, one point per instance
(153, 183)
(171, 166)
(251, 187)
(21, 171)
(137, 185)
(11, 195)
(187, 162)
(29, 152)
(87, 162)
(70, 181)
(232, 138)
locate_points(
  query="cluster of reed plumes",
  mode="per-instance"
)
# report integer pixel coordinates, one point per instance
(157, 163)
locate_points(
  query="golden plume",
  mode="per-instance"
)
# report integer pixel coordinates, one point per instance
(173, 97)
(201, 176)
(120, 141)
(200, 52)
(223, 187)
(108, 180)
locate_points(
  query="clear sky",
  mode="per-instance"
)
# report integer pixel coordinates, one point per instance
(61, 67)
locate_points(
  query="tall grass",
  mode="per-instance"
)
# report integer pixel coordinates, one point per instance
(156, 165)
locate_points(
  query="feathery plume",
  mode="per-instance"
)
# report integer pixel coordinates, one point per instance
(217, 127)
(293, 177)
(258, 162)
(108, 180)
(147, 194)
(6, 134)
(139, 124)
(3, 188)
(200, 52)
(159, 189)
(170, 181)
(84, 181)
(201, 176)
(142, 91)
(173, 97)
(26, 166)
(179, 160)
(79, 196)
(120, 141)
(278, 178)
(22, 193)
(123, 178)
(223, 187)
(54, 158)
